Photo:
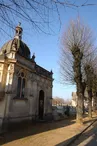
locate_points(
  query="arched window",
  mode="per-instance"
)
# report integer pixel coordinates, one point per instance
(21, 85)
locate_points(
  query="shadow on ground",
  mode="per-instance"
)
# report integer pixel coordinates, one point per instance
(88, 138)
(27, 129)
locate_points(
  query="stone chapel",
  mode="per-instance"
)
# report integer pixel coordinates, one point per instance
(25, 87)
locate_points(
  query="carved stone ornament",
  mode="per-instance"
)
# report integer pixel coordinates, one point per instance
(1, 66)
(31, 77)
(12, 67)
(10, 75)
(19, 71)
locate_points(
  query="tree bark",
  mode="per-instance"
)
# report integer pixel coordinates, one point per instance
(79, 115)
(83, 108)
(94, 102)
(78, 79)
(90, 104)
(84, 87)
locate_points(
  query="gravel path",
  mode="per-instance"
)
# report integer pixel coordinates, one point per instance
(43, 134)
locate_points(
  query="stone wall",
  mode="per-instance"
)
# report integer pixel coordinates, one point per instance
(28, 107)
(15, 109)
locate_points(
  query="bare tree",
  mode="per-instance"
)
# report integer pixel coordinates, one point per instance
(58, 100)
(38, 13)
(68, 102)
(94, 85)
(90, 73)
(77, 43)
(89, 83)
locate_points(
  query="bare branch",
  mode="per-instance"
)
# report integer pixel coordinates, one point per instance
(38, 13)
(77, 55)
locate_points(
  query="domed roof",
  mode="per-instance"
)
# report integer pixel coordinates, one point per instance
(6, 47)
(21, 48)
(16, 44)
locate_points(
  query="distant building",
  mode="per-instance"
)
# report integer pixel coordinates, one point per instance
(25, 87)
(74, 99)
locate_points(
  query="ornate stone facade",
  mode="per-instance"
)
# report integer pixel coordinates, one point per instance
(25, 87)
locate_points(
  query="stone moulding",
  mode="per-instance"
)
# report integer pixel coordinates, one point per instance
(20, 99)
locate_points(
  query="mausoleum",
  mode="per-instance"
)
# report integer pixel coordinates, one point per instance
(25, 87)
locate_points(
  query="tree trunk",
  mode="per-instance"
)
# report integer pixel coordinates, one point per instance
(83, 107)
(79, 115)
(90, 104)
(94, 102)
(78, 79)
(84, 87)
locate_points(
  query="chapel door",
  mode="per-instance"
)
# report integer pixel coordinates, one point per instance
(41, 104)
